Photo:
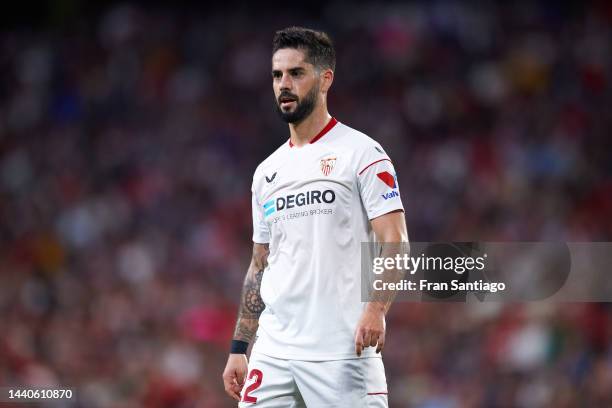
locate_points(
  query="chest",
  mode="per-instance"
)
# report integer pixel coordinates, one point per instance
(317, 171)
(309, 188)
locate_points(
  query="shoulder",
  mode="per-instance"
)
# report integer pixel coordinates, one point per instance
(357, 141)
(364, 150)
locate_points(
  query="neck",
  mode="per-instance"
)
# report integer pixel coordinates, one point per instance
(303, 132)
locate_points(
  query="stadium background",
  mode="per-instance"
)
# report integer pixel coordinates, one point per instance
(128, 138)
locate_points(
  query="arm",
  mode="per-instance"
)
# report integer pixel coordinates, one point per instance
(389, 228)
(251, 306)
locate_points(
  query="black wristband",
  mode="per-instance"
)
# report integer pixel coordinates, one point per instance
(239, 347)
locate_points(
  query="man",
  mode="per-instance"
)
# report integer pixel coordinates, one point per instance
(315, 199)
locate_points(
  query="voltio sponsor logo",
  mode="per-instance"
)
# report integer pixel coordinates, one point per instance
(392, 194)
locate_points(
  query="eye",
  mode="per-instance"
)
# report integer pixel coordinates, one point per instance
(276, 74)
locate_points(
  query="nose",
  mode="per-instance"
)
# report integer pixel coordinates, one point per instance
(285, 83)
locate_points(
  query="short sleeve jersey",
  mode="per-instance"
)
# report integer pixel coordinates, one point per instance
(313, 204)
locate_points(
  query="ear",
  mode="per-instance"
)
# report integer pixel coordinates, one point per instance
(327, 78)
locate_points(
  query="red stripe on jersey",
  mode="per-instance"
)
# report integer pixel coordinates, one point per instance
(371, 164)
(378, 393)
(332, 122)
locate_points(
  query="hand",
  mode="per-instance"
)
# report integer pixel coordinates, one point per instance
(370, 329)
(234, 374)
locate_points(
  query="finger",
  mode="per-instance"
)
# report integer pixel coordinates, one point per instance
(358, 345)
(235, 396)
(229, 389)
(359, 342)
(367, 338)
(374, 339)
(240, 377)
(236, 389)
(239, 382)
(228, 380)
(381, 344)
(232, 387)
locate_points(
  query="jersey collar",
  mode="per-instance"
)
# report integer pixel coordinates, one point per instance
(332, 122)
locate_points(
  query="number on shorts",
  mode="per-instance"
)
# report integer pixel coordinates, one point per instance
(254, 373)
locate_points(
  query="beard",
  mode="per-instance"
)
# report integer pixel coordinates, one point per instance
(303, 107)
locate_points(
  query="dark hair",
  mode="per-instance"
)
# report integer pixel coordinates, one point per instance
(317, 46)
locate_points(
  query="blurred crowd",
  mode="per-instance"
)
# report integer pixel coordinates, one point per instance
(128, 140)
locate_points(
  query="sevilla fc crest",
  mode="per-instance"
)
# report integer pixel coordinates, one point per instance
(327, 165)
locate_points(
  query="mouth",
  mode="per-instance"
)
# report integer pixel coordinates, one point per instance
(286, 101)
(286, 105)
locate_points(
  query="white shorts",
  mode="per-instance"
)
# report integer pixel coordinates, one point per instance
(355, 383)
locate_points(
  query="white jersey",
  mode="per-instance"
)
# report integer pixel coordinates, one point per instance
(313, 204)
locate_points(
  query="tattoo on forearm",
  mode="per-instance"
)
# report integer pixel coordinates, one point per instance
(245, 329)
(251, 304)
